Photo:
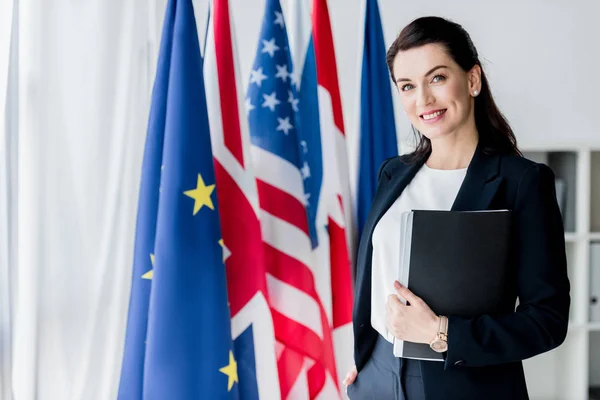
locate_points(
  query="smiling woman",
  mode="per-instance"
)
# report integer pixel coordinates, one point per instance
(443, 87)
(466, 160)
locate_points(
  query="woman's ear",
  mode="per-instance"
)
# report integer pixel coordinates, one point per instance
(474, 78)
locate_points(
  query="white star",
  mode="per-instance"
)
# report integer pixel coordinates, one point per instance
(305, 171)
(270, 101)
(306, 197)
(304, 146)
(294, 102)
(295, 79)
(282, 72)
(278, 19)
(249, 106)
(257, 76)
(284, 125)
(270, 47)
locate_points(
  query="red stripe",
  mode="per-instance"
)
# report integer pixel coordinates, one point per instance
(226, 74)
(297, 336)
(246, 272)
(329, 353)
(341, 281)
(296, 274)
(282, 205)
(304, 341)
(316, 380)
(289, 367)
(291, 271)
(325, 56)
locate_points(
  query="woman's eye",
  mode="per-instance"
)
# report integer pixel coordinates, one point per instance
(437, 78)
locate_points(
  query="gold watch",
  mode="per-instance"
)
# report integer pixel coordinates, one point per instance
(440, 343)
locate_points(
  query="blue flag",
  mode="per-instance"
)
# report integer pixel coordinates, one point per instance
(377, 128)
(178, 342)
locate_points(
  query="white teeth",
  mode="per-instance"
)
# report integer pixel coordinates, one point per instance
(435, 114)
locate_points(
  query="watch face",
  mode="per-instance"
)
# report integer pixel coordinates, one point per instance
(439, 345)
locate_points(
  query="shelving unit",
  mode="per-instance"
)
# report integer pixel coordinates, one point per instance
(568, 372)
(594, 327)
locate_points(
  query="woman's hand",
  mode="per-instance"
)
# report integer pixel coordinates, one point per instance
(414, 323)
(350, 376)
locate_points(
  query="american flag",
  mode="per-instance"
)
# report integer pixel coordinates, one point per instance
(302, 219)
(251, 321)
(313, 54)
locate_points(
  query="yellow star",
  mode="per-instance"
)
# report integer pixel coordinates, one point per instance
(201, 195)
(149, 274)
(231, 371)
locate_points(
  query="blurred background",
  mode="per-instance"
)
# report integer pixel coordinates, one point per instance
(76, 82)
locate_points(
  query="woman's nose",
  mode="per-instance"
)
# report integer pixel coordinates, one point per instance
(424, 98)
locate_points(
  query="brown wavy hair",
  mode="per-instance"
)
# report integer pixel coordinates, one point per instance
(495, 134)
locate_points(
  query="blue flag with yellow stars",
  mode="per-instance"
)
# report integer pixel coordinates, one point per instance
(178, 342)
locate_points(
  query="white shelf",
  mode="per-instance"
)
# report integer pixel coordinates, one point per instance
(566, 372)
(595, 236)
(576, 327)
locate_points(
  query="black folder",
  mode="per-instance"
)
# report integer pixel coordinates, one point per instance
(456, 261)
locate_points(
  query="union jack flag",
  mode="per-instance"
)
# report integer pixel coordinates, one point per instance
(251, 321)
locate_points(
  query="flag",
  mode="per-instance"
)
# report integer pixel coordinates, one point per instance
(251, 322)
(377, 127)
(178, 341)
(306, 360)
(323, 144)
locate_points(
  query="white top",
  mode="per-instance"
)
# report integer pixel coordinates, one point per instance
(430, 189)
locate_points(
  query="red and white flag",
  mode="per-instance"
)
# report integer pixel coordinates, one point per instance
(329, 207)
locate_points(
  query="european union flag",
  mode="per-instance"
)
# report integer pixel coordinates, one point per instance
(178, 343)
(377, 127)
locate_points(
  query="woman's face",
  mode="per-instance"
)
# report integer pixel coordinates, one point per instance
(437, 95)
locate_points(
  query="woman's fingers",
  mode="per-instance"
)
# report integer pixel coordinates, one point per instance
(350, 376)
(409, 296)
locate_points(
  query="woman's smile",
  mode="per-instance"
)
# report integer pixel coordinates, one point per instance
(433, 117)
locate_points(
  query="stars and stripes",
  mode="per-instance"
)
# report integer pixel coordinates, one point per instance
(291, 176)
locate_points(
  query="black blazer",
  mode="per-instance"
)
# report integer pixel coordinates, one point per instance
(484, 354)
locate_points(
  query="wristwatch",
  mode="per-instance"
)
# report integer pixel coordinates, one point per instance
(440, 343)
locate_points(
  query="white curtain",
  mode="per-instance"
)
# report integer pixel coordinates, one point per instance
(8, 185)
(74, 98)
(84, 82)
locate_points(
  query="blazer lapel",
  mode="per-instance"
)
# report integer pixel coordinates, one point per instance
(476, 192)
(481, 183)
(392, 184)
